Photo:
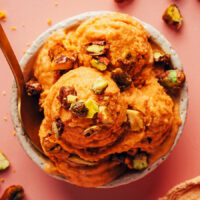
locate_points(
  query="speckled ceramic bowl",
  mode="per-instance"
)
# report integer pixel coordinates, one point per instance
(27, 63)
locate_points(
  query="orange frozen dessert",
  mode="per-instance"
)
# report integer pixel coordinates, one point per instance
(109, 99)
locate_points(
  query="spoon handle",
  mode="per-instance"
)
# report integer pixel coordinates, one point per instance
(12, 61)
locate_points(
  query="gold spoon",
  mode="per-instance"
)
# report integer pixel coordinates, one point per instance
(28, 108)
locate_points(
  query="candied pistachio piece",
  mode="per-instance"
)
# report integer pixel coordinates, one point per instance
(57, 127)
(79, 108)
(63, 62)
(100, 63)
(104, 115)
(33, 87)
(173, 17)
(140, 161)
(63, 96)
(71, 98)
(14, 192)
(80, 161)
(91, 130)
(97, 48)
(136, 120)
(161, 58)
(4, 162)
(172, 79)
(92, 107)
(122, 79)
(99, 85)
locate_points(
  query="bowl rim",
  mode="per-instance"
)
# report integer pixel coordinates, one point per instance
(24, 140)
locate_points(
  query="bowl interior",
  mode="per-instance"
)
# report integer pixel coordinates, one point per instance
(27, 65)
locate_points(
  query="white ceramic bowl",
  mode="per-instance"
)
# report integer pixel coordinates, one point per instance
(27, 63)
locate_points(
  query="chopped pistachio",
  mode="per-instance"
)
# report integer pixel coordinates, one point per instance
(14, 192)
(4, 162)
(92, 107)
(96, 63)
(78, 160)
(173, 17)
(135, 119)
(122, 79)
(140, 161)
(161, 58)
(63, 62)
(99, 85)
(95, 49)
(91, 130)
(71, 98)
(172, 79)
(57, 127)
(104, 115)
(79, 109)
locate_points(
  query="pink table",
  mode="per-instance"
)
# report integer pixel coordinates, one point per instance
(184, 161)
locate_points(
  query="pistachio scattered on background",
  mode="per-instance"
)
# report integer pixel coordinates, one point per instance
(4, 162)
(172, 16)
(14, 192)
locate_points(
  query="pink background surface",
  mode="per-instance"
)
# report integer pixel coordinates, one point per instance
(182, 164)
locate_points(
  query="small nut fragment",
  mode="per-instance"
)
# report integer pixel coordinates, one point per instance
(122, 79)
(33, 87)
(14, 192)
(161, 58)
(79, 109)
(104, 115)
(71, 98)
(63, 96)
(173, 17)
(140, 161)
(100, 63)
(91, 131)
(63, 62)
(57, 127)
(97, 48)
(99, 85)
(80, 161)
(92, 107)
(172, 79)
(4, 162)
(136, 120)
